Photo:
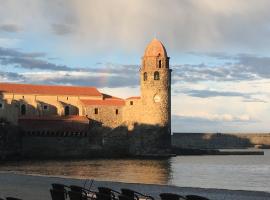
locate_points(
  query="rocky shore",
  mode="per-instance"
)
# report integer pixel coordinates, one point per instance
(32, 187)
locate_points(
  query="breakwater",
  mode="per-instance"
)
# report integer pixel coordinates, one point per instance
(220, 140)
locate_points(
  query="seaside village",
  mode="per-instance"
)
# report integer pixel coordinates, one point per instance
(71, 122)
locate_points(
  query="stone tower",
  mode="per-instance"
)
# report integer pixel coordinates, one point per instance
(155, 75)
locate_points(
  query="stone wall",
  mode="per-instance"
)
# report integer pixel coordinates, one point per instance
(10, 141)
(220, 141)
(106, 116)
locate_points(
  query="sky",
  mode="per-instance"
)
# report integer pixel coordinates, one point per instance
(219, 52)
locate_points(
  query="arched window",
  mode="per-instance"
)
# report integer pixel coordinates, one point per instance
(156, 76)
(159, 64)
(23, 109)
(66, 110)
(144, 76)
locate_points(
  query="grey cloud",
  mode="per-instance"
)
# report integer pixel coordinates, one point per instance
(191, 25)
(11, 28)
(246, 97)
(211, 93)
(61, 29)
(10, 76)
(34, 60)
(200, 124)
(96, 81)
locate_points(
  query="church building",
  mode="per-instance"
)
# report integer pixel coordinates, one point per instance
(45, 108)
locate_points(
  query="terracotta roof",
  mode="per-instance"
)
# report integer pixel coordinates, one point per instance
(48, 89)
(105, 102)
(133, 98)
(55, 118)
(155, 48)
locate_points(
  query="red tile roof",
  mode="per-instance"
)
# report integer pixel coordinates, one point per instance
(133, 98)
(48, 89)
(54, 118)
(105, 102)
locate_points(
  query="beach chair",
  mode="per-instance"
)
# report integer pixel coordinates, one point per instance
(196, 197)
(109, 192)
(171, 196)
(12, 198)
(58, 194)
(73, 195)
(134, 194)
(100, 196)
(59, 191)
(83, 191)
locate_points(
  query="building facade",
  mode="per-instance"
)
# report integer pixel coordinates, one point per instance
(44, 108)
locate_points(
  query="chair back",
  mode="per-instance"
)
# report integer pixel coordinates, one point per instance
(12, 198)
(58, 186)
(101, 196)
(124, 197)
(195, 197)
(170, 196)
(128, 193)
(56, 194)
(104, 190)
(73, 195)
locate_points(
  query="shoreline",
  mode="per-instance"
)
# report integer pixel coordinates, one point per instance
(34, 187)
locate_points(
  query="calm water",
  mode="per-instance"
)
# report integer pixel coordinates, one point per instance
(228, 172)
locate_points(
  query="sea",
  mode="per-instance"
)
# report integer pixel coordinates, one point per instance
(249, 172)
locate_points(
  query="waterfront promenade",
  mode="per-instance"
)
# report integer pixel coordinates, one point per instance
(32, 187)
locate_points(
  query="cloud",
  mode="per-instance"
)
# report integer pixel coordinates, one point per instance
(61, 29)
(212, 123)
(11, 28)
(11, 77)
(212, 93)
(34, 60)
(191, 25)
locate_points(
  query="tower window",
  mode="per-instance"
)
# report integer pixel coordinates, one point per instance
(156, 76)
(131, 103)
(45, 107)
(116, 111)
(67, 110)
(96, 111)
(23, 109)
(159, 64)
(1, 105)
(144, 76)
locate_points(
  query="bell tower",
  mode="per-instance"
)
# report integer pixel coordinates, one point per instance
(155, 81)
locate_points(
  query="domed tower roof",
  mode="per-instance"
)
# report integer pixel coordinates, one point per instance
(155, 48)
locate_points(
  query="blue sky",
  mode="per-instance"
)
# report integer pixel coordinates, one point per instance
(220, 53)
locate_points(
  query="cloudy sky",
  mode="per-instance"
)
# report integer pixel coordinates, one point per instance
(220, 53)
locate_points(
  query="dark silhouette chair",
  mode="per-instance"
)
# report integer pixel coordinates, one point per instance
(58, 194)
(109, 192)
(171, 196)
(12, 198)
(100, 196)
(123, 197)
(59, 191)
(196, 197)
(134, 194)
(73, 195)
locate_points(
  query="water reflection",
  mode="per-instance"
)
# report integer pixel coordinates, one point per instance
(123, 170)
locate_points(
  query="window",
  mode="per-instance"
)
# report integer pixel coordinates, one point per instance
(144, 76)
(45, 107)
(66, 110)
(159, 64)
(131, 103)
(116, 111)
(23, 109)
(156, 76)
(67, 98)
(1, 105)
(96, 111)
